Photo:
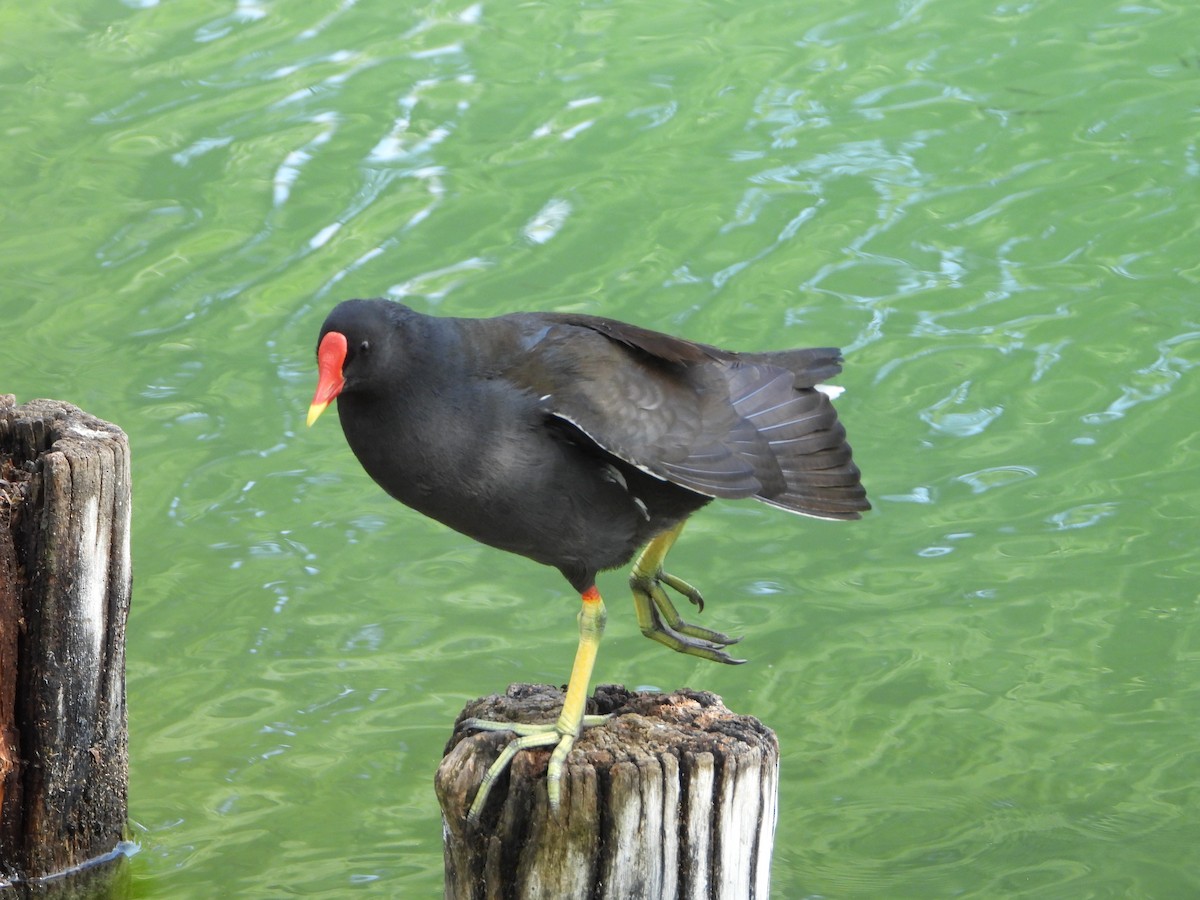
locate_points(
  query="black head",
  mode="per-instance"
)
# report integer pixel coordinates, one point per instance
(359, 349)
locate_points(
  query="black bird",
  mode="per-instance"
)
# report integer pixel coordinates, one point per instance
(577, 441)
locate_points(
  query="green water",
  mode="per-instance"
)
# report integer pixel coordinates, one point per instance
(986, 688)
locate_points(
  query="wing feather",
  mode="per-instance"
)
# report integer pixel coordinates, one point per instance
(718, 423)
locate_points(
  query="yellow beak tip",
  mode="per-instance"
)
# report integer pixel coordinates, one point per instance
(314, 412)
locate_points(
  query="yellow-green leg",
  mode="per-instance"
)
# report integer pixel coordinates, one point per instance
(658, 620)
(571, 720)
(656, 614)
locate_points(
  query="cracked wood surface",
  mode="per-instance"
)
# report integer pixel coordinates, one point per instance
(675, 796)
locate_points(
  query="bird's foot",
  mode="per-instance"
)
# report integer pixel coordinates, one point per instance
(660, 621)
(528, 736)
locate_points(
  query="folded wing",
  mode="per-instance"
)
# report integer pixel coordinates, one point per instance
(722, 424)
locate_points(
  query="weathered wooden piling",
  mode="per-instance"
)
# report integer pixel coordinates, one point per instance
(64, 600)
(674, 797)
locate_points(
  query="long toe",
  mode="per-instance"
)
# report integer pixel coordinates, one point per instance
(703, 634)
(544, 736)
(682, 587)
(705, 643)
(529, 737)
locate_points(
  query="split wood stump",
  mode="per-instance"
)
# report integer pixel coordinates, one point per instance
(64, 600)
(674, 797)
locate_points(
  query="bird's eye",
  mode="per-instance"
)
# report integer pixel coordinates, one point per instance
(364, 346)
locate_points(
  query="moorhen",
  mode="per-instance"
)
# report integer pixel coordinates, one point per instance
(576, 441)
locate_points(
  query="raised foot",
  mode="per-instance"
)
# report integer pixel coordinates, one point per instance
(660, 621)
(528, 737)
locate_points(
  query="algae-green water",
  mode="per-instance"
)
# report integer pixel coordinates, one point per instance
(986, 688)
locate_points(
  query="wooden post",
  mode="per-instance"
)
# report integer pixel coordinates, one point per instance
(674, 797)
(64, 599)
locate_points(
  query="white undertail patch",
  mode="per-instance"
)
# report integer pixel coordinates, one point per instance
(832, 391)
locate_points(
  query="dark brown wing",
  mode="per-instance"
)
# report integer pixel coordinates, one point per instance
(719, 423)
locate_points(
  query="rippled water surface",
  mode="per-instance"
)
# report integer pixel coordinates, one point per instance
(986, 688)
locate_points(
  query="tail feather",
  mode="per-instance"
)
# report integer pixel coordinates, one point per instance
(797, 435)
(809, 366)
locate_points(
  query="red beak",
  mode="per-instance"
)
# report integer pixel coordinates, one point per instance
(331, 356)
